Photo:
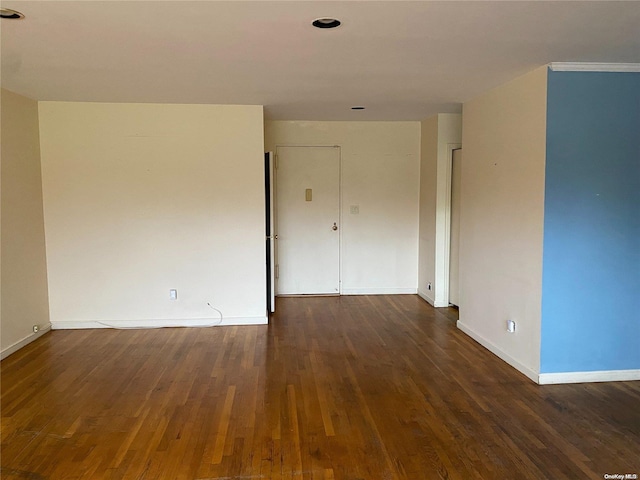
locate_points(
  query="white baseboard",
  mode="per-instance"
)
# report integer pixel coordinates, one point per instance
(498, 352)
(25, 341)
(426, 298)
(588, 377)
(379, 291)
(159, 323)
(432, 301)
(553, 378)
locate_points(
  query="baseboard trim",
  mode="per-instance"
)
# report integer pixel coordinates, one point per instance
(22, 343)
(498, 352)
(594, 67)
(159, 323)
(589, 377)
(426, 298)
(431, 301)
(379, 291)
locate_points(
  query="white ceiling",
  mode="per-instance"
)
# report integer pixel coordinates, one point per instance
(402, 60)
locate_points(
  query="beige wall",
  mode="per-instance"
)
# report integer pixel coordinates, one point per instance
(24, 274)
(504, 137)
(143, 198)
(428, 191)
(380, 173)
(440, 134)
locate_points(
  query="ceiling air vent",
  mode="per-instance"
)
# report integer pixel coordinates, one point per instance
(326, 23)
(10, 14)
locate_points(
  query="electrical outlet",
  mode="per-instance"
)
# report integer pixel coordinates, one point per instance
(511, 326)
(429, 286)
(173, 294)
(36, 328)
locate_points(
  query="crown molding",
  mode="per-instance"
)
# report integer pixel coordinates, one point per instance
(593, 67)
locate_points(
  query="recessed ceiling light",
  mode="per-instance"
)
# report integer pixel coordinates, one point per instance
(326, 23)
(10, 14)
(357, 108)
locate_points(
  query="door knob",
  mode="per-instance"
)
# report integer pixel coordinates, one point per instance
(335, 227)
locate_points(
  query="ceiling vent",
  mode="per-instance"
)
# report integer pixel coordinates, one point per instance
(10, 14)
(326, 23)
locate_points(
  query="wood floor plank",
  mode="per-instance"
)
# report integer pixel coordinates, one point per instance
(295, 457)
(346, 388)
(223, 427)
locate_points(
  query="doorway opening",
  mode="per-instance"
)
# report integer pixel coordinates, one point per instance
(454, 228)
(443, 253)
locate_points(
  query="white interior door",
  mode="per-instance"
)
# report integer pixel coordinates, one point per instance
(308, 220)
(454, 249)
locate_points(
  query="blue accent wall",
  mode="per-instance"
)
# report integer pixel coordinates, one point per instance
(591, 260)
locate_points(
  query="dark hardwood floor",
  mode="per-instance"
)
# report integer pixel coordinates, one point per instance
(371, 388)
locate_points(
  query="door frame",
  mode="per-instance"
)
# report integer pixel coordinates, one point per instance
(445, 254)
(269, 177)
(340, 215)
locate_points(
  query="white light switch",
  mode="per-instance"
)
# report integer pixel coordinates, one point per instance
(173, 294)
(354, 209)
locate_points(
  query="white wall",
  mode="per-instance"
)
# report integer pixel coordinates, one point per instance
(501, 228)
(440, 134)
(380, 173)
(24, 275)
(428, 195)
(143, 198)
